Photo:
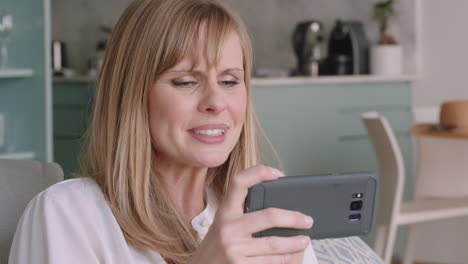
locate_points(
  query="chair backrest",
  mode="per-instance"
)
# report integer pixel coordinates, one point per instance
(20, 181)
(423, 114)
(391, 166)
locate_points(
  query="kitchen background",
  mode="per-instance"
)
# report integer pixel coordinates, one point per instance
(432, 35)
(270, 22)
(45, 116)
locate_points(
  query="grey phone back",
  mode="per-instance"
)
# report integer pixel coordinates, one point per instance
(327, 198)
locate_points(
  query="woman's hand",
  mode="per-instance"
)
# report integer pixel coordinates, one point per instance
(230, 240)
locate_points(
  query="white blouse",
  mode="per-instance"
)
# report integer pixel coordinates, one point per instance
(71, 222)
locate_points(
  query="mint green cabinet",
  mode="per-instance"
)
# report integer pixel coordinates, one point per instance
(25, 89)
(72, 102)
(317, 128)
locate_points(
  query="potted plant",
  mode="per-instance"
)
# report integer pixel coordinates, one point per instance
(386, 56)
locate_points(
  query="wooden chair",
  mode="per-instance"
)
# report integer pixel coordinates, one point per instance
(392, 211)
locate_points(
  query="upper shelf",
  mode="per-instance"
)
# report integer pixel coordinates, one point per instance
(19, 155)
(16, 73)
(290, 80)
(75, 79)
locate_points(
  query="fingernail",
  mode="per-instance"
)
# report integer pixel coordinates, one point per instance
(278, 172)
(308, 220)
(305, 240)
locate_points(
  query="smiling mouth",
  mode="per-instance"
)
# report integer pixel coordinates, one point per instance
(210, 132)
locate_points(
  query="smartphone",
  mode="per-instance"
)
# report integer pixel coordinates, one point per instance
(341, 204)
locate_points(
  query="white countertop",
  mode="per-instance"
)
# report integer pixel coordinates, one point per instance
(333, 79)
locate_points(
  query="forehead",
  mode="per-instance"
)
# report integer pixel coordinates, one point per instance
(224, 53)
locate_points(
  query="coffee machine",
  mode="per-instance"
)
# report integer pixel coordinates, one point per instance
(348, 50)
(308, 43)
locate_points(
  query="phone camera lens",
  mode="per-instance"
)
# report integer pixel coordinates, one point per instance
(354, 218)
(356, 205)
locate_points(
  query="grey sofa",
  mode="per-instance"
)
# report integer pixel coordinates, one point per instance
(20, 181)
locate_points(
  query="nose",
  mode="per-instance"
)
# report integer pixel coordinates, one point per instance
(213, 99)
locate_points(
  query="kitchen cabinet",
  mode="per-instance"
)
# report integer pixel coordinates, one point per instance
(71, 105)
(316, 128)
(25, 88)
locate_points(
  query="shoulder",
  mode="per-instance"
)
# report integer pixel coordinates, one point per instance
(70, 198)
(76, 207)
(72, 187)
(75, 191)
(70, 222)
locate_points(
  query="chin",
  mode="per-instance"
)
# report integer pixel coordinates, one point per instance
(213, 160)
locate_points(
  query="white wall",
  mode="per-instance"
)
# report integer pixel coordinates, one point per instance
(444, 76)
(444, 52)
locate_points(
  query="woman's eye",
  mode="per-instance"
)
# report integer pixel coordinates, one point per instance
(229, 83)
(183, 84)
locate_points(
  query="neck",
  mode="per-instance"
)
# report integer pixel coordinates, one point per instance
(185, 185)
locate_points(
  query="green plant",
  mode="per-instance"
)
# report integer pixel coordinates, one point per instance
(383, 10)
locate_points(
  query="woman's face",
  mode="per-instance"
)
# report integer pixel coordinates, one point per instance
(197, 112)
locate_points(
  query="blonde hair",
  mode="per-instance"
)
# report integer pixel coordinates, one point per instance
(150, 37)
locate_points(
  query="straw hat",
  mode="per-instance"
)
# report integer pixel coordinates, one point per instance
(453, 122)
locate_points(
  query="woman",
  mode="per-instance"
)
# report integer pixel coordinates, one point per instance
(170, 156)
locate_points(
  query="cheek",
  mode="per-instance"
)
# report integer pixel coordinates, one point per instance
(154, 115)
(240, 106)
(160, 115)
(168, 114)
(157, 109)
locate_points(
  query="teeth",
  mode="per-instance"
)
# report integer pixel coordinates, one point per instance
(211, 132)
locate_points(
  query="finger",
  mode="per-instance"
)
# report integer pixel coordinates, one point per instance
(275, 245)
(257, 221)
(240, 183)
(297, 257)
(275, 259)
